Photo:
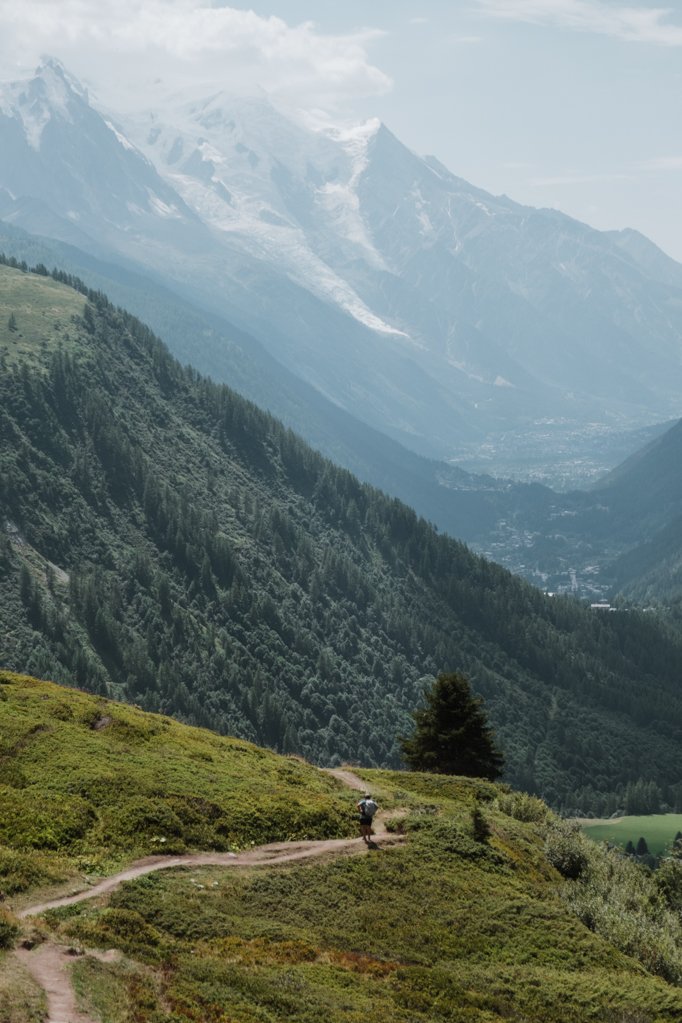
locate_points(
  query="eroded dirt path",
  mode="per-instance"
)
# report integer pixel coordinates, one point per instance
(260, 856)
(49, 964)
(352, 781)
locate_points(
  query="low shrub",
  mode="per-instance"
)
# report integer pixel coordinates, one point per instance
(523, 807)
(566, 848)
(21, 871)
(619, 899)
(9, 929)
(121, 928)
(42, 820)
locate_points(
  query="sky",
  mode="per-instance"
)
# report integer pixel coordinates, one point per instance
(570, 104)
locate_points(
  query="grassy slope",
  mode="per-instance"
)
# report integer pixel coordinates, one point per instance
(86, 782)
(444, 928)
(447, 927)
(43, 311)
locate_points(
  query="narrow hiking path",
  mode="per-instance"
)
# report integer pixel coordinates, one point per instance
(49, 963)
(49, 966)
(273, 854)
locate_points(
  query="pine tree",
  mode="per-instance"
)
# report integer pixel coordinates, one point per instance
(642, 849)
(451, 734)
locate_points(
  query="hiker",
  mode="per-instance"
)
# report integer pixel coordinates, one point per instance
(367, 808)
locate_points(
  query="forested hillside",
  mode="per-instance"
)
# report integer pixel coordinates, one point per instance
(652, 572)
(165, 541)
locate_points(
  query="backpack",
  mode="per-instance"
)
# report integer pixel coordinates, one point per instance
(369, 807)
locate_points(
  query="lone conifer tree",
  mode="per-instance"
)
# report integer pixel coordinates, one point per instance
(452, 734)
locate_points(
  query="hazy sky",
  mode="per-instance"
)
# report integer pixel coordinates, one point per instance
(574, 104)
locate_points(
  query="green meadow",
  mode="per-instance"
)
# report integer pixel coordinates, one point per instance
(43, 312)
(491, 909)
(88, 783)
(658, 830)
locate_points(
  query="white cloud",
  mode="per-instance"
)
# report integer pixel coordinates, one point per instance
(662, 163)
(125, 45)
(571, 178)
(632, 23)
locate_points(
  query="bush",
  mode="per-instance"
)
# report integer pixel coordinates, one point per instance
(479, 825)
(122, 928)
(9, 929)
(618, 898)
(668, 880)
(523, 807)
(42, 820)
(566, 848)
(20, 871)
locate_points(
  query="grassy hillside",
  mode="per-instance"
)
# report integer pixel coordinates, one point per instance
(85, 782)
(469, 920)
(164, 541)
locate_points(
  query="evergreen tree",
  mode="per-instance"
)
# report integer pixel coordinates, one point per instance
(451, 734)
(642, 849)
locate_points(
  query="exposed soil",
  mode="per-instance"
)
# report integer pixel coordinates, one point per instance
(49, 963)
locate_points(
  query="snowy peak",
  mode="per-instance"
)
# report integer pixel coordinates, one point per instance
(55, 147)
(51, 93)
(405, 294)
(272, 187)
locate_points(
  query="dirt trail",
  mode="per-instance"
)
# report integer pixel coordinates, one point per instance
(49, 964)
(348, 778)
(352, 781)
(260, 856)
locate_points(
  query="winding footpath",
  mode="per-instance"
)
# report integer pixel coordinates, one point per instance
(49, 963)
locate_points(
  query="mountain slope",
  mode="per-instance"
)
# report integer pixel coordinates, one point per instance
(647, 487)
(463, 504)
(644, 498)
(436, 313)
(554, 540)
(166, 541)
(651, 571)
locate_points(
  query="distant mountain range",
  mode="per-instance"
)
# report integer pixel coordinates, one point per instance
(446, 318)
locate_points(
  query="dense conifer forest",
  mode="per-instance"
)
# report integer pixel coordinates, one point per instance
(165, 541)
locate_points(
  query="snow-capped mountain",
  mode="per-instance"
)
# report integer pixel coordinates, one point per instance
(423, 305)
(62, 160)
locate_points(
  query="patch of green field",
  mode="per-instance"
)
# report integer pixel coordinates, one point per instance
(39, 315)
(86, 782)
(659, 830)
